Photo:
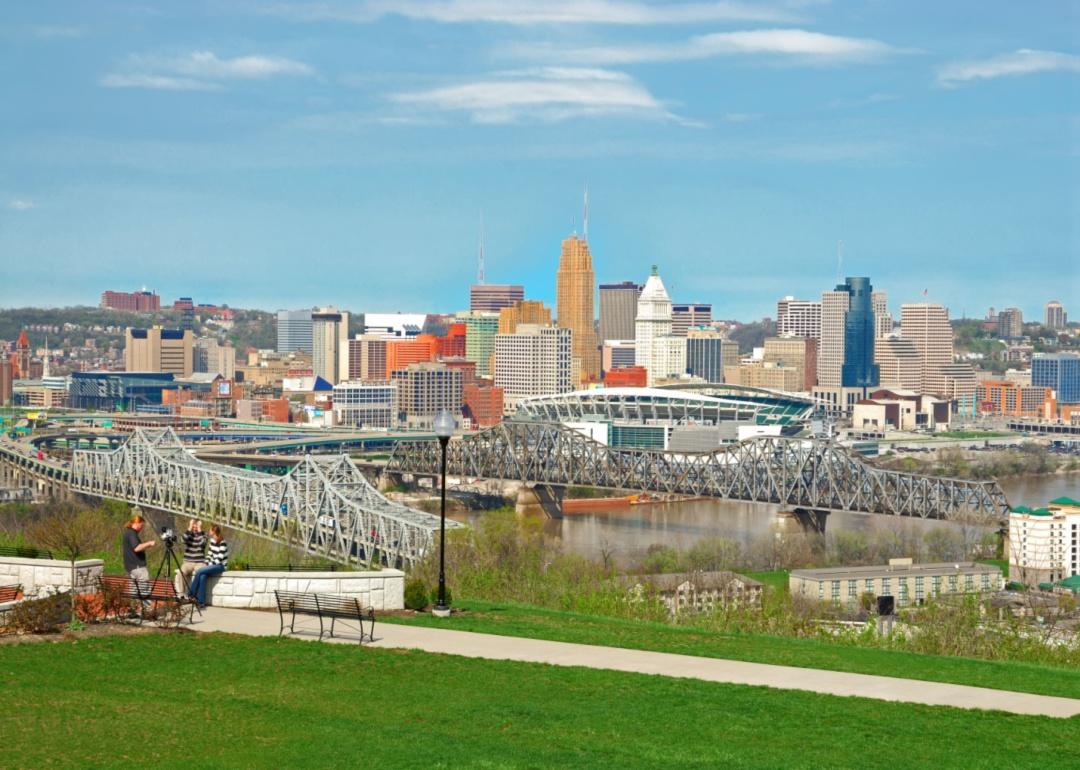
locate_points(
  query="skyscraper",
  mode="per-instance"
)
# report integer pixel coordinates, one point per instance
(662, 354)
(493, 297)
(707, 353)
(798, 318)
(159, 350)
(685, 317)
(882, 317)
(899, 363)
(799, 353)
(528, 311)
(330, 344)
(618, 309)
(834, 307)
(1054, 316)
(927, 326)
(533, 361)
(480, 330)
(575, 284)
(293, 331)
(859, 369)
(1011, 323)
(1060, 371)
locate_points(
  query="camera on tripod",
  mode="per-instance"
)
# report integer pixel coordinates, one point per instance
(168, 537)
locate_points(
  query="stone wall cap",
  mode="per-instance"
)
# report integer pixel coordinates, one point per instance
(242, 573)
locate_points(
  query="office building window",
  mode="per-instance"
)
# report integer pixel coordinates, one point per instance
(821, 589)
(886, 586)
(920, 589)
(969, 582)
(836, 590)
(869, 586)
(936, 584)
(852, 588)
(952, 584)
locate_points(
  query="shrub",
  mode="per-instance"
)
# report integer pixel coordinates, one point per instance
(40, 616)
(416, 595)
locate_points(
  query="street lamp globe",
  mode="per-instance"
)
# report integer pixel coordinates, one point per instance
(444, 424)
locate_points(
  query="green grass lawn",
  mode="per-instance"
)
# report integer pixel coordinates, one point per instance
(538, 623)
(777, 578)
(186, 700)
(1002, 564)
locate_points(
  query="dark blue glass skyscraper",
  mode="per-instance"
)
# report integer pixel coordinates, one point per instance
(859, 369)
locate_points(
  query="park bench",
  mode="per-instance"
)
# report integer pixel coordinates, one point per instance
(324, 606)
(144, 593)
(9, 593)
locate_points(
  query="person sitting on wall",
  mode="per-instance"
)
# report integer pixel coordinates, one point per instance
(194, 555)
(218, 558)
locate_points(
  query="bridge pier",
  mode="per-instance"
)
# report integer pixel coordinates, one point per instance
(809, 521)
(540, 499)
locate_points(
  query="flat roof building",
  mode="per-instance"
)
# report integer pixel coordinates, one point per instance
(618, 308)
(908, 583)
(159, 350)
(493, 297)
(293, 331)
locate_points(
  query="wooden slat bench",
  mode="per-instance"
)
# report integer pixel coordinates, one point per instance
(143, 593)
(324, 606)
(9, 593)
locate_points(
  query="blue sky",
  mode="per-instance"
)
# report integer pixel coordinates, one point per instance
(283, 154)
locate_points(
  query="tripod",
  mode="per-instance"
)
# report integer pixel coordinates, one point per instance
(170, 565)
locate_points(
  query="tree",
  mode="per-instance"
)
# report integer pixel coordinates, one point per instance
(711, 554)
(72, 533)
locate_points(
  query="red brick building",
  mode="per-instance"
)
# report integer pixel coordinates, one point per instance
(483, 404)
(626, 377)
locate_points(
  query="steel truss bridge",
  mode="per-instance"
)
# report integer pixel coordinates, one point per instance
(324, 506)
(802, 474)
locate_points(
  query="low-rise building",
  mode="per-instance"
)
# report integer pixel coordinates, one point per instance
(365, 405)
(900, 410)
(908, 583)
(683, 592)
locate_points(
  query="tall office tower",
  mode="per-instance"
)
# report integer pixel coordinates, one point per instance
(1060, 371)
(159, 350)
(799, 353)
(7, 381)
(293, 331)
(493, 297)
(899, 363)
(883, 321)
(685, 317)
(574, 288)
(618, 309)
(330, 344)
(480, 330)
(1010, 323)
(798, 318)
(834, 308)
(707, 353)
(367, 358)
(927, 325)
(212, 356)
(661, 353)
(859, 370)
(528, 311)
(533, 361)
(22, 356)
(1054, 316)
(424, 390)
(132, 301)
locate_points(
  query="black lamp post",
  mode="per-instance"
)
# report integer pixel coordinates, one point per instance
(444, 429)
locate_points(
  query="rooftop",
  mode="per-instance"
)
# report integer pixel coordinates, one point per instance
(937, 568)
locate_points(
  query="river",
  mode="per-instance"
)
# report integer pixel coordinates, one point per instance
(625, 533)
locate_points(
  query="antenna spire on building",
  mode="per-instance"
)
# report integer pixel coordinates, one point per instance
(585, 218)
(480, 265)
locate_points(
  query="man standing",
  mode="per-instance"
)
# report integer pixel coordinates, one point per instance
(135, 552)
(194, 556)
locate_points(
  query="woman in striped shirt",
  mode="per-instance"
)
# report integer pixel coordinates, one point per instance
(217, 557)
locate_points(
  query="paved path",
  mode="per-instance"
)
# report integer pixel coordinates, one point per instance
(473, 645)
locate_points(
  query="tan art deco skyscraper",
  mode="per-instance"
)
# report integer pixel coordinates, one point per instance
(575, 286)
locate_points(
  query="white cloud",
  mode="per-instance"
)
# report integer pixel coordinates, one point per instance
(797, 44)
(157, 82)
(21, 205)
(530, 12)
(200, 71)
(206, 64)
(1022, 62)
(546, 94)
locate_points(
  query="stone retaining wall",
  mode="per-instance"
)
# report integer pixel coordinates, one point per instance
(41, 576)
(382, 590)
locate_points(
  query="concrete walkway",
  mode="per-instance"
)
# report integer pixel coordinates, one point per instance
(473, 645)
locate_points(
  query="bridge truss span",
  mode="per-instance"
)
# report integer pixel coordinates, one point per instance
(793, 472)
(324, 506)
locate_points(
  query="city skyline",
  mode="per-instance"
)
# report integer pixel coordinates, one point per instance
(734, 145)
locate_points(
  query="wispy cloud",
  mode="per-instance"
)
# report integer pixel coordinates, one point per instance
(545, 94)
(1024, 61)
(791, 44)
(201, 71)
(18, 204)
(157, 82)
(530, 12)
